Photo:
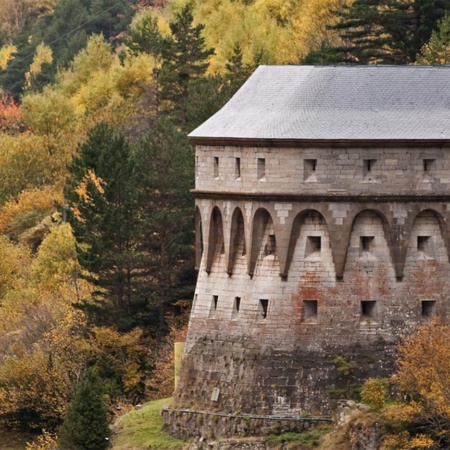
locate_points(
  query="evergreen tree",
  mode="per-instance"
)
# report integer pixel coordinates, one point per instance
(185, 61)
(437, 51)
(388, 31)
(12, 79)
(165, 173)
(86, 424)
(100, 194)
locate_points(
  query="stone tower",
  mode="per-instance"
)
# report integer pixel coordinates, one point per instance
(322, 204)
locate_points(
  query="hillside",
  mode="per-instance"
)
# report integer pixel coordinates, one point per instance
(96, 219)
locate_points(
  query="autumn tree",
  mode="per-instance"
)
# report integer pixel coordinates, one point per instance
(422, 412)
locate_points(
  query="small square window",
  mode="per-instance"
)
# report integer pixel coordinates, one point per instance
(424, 244)
(310, 309)
(366, 244)
(261, 168)
(428, 165)
(428, 308)
(309, 169)
(237, 168)
(368, 309)
(236, 307)
(214, 302)
(216, 167)
(262, 309)
(313, 245)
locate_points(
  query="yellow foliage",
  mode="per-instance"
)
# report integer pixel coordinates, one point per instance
(126, 353)
(48, 113)
(404, 441)
(310, 25)
(56, 260)
(30, 207)
(25, 163)
(13, 265)
(374, 392)
(5, 55)
(423, 382)
(35, 381)
(94, 58)
(43, 55)
(45, 441)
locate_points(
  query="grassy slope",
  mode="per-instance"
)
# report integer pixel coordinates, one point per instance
(142, 429)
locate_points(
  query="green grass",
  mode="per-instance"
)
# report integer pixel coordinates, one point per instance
(306, 440)
(142, 429)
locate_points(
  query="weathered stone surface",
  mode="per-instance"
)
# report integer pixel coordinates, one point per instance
(312, 262)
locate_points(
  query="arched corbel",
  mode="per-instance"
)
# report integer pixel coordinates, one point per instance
(215, 237)
(234, 235)
(340, 242)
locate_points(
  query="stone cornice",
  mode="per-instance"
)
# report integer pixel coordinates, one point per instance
(330, 197)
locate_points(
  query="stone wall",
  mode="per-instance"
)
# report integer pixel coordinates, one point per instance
(316, 171)
(184, 423)
(309, 274)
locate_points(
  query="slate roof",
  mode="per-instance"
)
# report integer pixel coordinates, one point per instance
(336, 103)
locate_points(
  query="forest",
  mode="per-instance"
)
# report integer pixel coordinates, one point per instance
(96, 218)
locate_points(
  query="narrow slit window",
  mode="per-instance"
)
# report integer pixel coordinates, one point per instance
(214, 302)
(313, 245)
(216, 167)
(236, 307)
(369, 309)
(261, 168)
(368, 167)
(366, 244)
(310, 309)
(269, 248)
(309, 169)
(262, 309)
(237, 168)
(428, 308)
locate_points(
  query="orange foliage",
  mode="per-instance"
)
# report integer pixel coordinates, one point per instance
(11, 119)
(423, 381)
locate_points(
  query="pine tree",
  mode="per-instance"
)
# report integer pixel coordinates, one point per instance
(86, 424)
(165, 173)
(185, 61)
(100, 194)
(437, 51)
(388, 31)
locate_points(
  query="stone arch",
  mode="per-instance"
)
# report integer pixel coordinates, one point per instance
(237, 239)
(198, 238)
(263, 238)
(307, 215)
(368, 225)
(216, 245)
(424, 221)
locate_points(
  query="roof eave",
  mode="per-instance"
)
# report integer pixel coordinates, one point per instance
(307, 143)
